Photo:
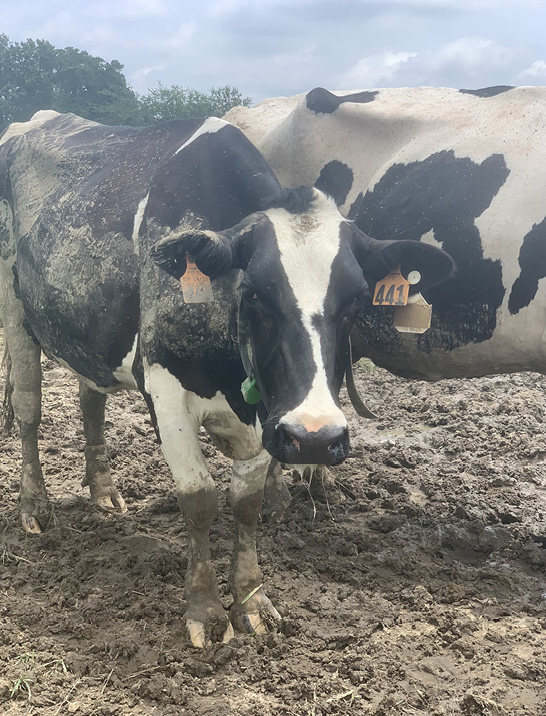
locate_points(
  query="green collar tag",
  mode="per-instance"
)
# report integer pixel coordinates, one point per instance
(250, 392)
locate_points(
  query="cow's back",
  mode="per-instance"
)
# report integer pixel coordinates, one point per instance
(74, 188)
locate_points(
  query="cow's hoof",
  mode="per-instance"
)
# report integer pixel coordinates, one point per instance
(255, 616)
(201, 634)
(112, 501)
(30, 524)
(208, 624)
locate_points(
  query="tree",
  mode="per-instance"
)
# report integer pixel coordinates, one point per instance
(35, 75)
(176, 102)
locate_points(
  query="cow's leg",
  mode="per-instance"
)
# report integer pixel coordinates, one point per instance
(26, 381)
(252, 611)
(97, 468)
(276, 494)
(26, 378)
(178, 415)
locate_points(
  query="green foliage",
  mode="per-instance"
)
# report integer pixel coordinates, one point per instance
(177, 102)
(35, 75)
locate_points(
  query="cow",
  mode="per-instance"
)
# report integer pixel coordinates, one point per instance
(460, 169)
(99, 227)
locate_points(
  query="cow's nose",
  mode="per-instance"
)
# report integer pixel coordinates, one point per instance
(327, 446)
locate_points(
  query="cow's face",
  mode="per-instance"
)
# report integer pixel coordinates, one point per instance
(306, 273)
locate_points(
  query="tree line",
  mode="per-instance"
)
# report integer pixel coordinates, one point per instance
(36, 75)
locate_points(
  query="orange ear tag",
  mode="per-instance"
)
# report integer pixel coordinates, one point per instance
(393, 290)
(196, 286)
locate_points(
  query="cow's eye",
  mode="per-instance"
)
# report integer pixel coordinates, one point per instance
(248, 292)
(257, 302)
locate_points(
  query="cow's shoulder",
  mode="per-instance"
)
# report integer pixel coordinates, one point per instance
(256, 122)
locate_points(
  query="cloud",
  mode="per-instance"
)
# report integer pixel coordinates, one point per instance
(283, 47)
(537, 71)
(143, 72)
(467, 61)
(181, 41)
(375, 70)
(126, 9)
(469, 55)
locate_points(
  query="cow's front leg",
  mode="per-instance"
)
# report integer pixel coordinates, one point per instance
(178, 414)
(206, 619)
(97, 468)
(252, 611)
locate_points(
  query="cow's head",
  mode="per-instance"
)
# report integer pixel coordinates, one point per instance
(306, 272)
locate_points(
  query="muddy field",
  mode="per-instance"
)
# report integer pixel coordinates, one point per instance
(414, 584)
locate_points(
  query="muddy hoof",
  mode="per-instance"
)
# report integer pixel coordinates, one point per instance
(112, 501)
(201, 634)
(208, 624)
(255, 616)
(30, 524)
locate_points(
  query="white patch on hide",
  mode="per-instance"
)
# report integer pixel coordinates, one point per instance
(209, 126)
(125, 372)
(139, 217)
(308, 245)
(179, 414)
(16, 129)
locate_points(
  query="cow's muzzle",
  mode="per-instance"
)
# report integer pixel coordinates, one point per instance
(296, 445)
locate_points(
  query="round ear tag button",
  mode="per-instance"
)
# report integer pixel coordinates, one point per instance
(414, 277)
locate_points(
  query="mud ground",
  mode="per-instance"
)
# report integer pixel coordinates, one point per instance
(415, 584)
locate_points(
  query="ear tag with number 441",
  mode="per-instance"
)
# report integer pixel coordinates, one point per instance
(196, 286)
(393, 290)
(411, 315)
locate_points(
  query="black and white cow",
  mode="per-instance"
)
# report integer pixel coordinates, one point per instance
(88, 215)
(460, 169)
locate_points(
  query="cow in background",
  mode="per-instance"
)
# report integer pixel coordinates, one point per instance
(460, 169)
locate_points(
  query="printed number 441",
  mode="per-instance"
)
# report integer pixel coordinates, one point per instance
(391, 296)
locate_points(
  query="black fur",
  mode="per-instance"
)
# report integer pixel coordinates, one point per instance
(296, 200)
(212, 256)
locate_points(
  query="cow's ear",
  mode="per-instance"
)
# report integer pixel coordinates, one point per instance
(210, 250)
(214, 252)
(378, 258)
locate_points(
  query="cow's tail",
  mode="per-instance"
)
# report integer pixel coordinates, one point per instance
(8, 416)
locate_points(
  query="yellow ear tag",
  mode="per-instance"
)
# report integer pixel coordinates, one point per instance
(393, 290)
(196, 286)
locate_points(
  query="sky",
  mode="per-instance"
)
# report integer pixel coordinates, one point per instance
(269, 48)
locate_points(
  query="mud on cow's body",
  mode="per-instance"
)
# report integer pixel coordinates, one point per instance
(461, 169)
(96, 226)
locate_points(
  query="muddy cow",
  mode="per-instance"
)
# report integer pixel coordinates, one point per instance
(97, 226)
(461, 169)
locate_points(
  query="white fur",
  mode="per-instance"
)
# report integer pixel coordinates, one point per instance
(308, 245)
(15, 129)
(125, 372)
(139, 217)
(179, 415)
(209, 126)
